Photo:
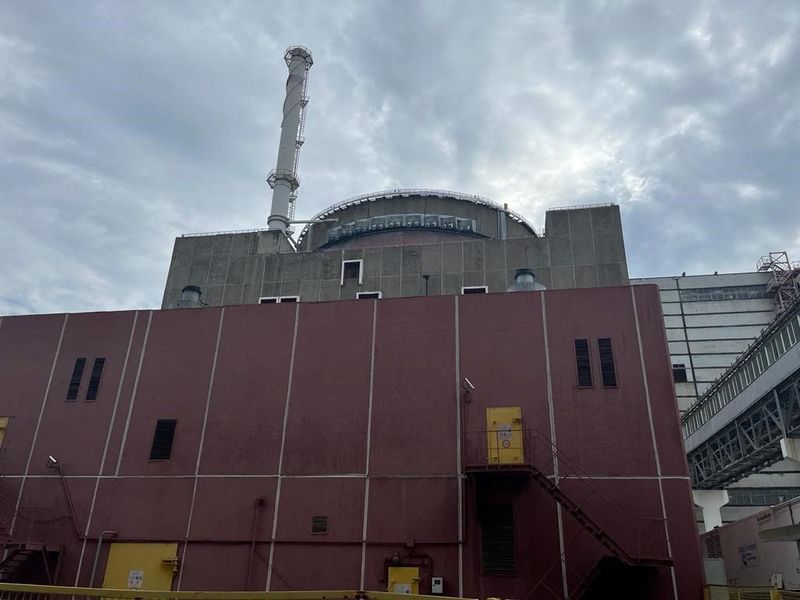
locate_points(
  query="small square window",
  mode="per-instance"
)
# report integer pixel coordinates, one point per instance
(319, 525)
(352, 271)
(475, 289)
(679, 373)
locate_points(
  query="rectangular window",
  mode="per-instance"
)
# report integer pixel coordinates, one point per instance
(162, 439)
(583, 363)
(75, 381)
(352, 271)
(368, 295)
(278, 299)
(498, 556)
(94, 381)
(679, 373)
(475, 289)
(319, 525)
(607, 370)
(3, 428)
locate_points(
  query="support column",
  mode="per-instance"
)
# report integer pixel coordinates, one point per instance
(711, 501)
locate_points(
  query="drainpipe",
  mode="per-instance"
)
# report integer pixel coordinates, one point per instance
(54, 464)
(256, 510)
(109, 533)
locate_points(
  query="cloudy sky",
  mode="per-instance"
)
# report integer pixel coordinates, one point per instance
(124, 124)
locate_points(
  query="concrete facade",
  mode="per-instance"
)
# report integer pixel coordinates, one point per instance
(710, 320)
(355, 411)
(581, 247)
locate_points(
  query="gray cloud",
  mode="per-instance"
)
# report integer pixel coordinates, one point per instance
(123, 125)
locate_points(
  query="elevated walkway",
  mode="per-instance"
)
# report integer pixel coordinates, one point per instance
(748, 418)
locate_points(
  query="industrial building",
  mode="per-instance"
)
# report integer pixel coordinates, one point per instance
(710, 320)
(355, 408)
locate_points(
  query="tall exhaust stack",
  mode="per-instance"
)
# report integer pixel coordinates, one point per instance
(283, 178)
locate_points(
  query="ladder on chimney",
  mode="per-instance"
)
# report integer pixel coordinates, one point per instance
(298, 143)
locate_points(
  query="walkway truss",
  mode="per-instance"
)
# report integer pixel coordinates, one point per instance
(751, 441)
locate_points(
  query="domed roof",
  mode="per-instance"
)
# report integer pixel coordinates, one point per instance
(412, 192)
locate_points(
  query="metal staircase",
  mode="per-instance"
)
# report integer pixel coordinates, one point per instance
(591, 526)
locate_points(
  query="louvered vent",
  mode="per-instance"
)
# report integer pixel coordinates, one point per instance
(713, 545)
(75, 380)
(319, 525)
(162, 439)
(94, 381)
(583, 363)
(497, 539)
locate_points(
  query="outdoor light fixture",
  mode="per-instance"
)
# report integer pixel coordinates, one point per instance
(52, 462)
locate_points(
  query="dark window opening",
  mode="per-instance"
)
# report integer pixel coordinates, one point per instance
(679, 373)
(77, 375)
(94, 381)
(351, 269)
(285, 299)
(475, 289)
(583, 363)
(497, 539)
(319, 525)
(267, 300)
(607, 370)
(162, 439)
(368, 295)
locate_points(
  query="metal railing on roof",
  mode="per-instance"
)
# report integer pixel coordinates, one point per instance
(373, 196)
(579, 206)
(231, 232)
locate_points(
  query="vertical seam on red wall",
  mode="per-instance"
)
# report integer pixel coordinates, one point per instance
(552, 419)
(133, 394)
(653, 437)
(283, 446)
(38, 424)
(369, 439)
(459, 476)
(200, 447)
(111, 420)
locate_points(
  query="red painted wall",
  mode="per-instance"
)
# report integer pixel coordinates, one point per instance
(352, 410)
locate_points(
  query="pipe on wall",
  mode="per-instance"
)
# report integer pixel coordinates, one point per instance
(109, 533)
(259, 502)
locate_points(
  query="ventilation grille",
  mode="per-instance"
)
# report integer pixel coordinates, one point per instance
(75, 381)
(583, 363)
(713, 545)
(607, 370)
(497, 539)
(94, 381)
(319, 525)
(162, 439)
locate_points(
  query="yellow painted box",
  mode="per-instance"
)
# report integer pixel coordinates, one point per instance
(504, 439)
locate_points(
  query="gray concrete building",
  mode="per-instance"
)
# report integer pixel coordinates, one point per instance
(710, 320)
(399, 243)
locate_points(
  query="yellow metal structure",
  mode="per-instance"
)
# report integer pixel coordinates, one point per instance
(141, 566)
(504, 443)
(403, 580)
